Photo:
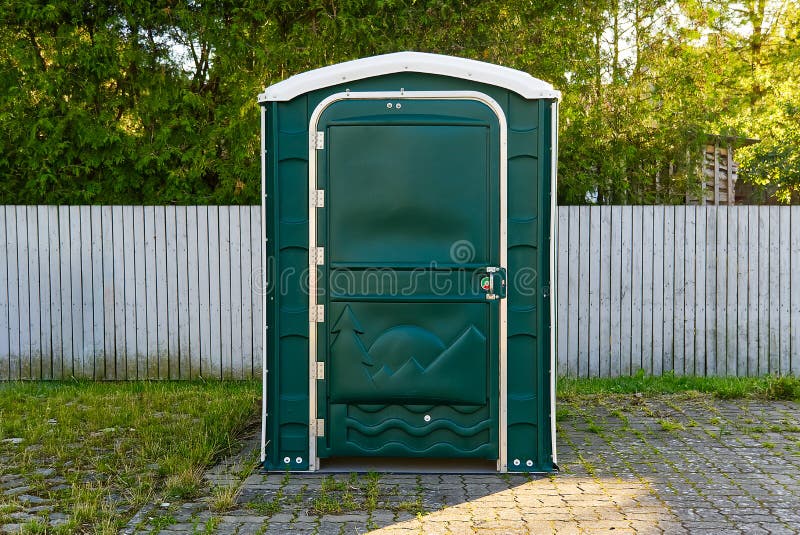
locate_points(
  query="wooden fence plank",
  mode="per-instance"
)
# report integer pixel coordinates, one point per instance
(752, 290)
(148, 283)
(171, 300)
(679, 289)
(669, 289)
(203, 262)
(14, 345)
(140, 291)
(731, 308)
(45, 324)
(784, 290)
(76, 285)
(647, 290)
(187, 304)
(605, 292)
(584, 293)
(689, 292)
(67, 361)
(774, 290)
(711, 291)
(98, 301)
(721, 294)
(573, 292)
(109, 303)
(87, 296)
(637, 291)
(742, 274)
(615, 284)
(794, 270)
(5, 301)
(34, 370)
(23, 291)
(235, 271)
(224, 278)
(245, 240)
(214, 293)
(561, 295)
(259, 289)
(699, 367)
(56, 333)
(763, 290)
(123, 266)
(658, 289)
(131, 353)
(626, 290)
(198, 329)
(594, 292)
(161, 293)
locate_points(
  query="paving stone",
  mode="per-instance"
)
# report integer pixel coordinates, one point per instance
(45, 472)
(709, 477)
(30, 499)
(17, 490)
(22, 516)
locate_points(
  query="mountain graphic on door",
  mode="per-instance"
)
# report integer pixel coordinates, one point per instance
(406, 364)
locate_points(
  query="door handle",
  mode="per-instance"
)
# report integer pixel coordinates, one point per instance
(497, 283)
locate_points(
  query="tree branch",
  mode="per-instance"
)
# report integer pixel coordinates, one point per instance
(36, 49)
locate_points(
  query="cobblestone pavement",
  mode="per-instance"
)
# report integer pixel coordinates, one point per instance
(629, 465)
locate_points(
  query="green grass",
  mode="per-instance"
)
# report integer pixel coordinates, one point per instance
(671, 425)
(115, 446)
(357, 493)
(267, 507)
(767, 387)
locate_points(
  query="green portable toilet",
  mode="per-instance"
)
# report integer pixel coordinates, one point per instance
(408, 204)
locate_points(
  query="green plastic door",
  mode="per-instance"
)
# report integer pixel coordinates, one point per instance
(410, 224)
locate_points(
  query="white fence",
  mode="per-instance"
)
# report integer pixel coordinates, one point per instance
(129, 292)
(701, 290)
(136, 292)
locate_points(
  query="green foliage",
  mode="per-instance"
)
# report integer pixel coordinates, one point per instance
(154, 102)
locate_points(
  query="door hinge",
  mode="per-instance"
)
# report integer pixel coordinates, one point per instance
(319, 255)
(320, 427)
(317, 198)
(317, 314)
(318, 140)
(320, 370)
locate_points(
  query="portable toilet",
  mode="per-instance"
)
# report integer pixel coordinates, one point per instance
(408, 202)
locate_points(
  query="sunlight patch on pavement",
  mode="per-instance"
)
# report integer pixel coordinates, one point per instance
(561, 504)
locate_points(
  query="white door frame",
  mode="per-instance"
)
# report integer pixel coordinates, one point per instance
(313, 460)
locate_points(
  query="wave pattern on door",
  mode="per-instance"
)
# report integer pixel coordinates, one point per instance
(418, 430)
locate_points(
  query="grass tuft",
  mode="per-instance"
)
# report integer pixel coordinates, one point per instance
(671, 425)
(185, 484)
(267, 507)
(223, 498)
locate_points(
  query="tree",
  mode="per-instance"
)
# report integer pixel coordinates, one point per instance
(154, 102)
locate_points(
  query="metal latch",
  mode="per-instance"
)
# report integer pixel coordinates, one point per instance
(320, 427)
(320, 370)
(316, 314)
(496, 287)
